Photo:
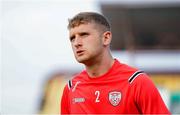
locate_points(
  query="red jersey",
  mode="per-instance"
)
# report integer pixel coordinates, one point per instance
(122, 90)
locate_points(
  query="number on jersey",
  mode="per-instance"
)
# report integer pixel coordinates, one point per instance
(97, 93)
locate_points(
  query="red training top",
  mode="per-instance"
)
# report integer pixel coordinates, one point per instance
(122, 90)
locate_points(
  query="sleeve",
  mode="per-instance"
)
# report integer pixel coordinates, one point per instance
(147, 97)
(65, 101)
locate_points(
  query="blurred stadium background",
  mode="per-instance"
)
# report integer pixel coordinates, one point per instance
(36, 57)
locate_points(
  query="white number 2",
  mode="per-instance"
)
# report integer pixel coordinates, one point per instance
(97, 93)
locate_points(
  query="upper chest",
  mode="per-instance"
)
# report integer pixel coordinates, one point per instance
(102, 95)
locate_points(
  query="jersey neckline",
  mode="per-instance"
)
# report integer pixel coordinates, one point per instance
(104, 75)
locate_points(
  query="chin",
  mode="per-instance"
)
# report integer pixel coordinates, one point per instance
(81, 60)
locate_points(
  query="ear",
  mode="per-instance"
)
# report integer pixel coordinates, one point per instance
(107, 36)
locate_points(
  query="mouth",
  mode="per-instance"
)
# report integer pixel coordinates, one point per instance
(79, 52)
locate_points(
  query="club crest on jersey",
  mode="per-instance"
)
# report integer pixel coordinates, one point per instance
(115, 97)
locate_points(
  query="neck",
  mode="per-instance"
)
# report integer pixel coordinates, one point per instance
(99, 66)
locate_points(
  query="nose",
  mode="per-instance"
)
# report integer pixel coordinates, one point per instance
(77, 42)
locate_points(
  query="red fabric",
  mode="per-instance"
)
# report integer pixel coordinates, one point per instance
(112, 93)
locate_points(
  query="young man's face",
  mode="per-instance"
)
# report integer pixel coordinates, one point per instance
(86, 41)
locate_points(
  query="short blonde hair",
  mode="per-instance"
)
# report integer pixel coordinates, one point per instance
(89, 17)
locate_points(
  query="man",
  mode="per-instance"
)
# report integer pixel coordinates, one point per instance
(106, 86)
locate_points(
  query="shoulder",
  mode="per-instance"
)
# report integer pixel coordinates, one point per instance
(147, 96)
(128, 72)
(140, 77)
(132, 74)
(135, 76)
(125, 68)
(141, 83)
(76, 79)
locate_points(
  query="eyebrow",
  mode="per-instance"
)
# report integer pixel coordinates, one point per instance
(83, 33)
(80, 33)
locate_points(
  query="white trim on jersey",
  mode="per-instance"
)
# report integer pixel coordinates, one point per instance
(134, 76)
